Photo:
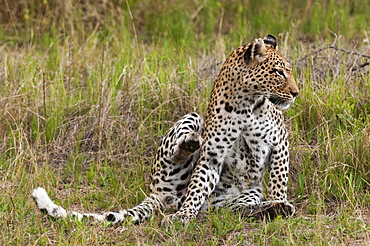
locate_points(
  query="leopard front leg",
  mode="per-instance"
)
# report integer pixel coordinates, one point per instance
(278, 177)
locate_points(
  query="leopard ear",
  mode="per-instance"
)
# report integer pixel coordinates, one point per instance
(256, 52)
(271, 40)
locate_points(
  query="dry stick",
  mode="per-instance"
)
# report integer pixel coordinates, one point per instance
(360, 66)
(335, 48)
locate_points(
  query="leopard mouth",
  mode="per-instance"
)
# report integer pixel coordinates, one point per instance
(280, 102)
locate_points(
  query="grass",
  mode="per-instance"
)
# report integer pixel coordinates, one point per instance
(87, 89)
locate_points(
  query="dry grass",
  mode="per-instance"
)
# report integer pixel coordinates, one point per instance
(87, 92)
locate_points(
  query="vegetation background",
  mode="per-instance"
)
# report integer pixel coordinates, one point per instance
(87, 87)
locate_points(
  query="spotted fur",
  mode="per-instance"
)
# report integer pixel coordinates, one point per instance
(221, 162)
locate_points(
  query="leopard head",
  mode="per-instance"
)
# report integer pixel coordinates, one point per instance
(268, 73)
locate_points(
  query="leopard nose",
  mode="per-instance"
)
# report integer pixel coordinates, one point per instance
(294, 93)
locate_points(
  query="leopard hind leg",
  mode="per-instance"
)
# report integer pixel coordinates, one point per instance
(177, 153)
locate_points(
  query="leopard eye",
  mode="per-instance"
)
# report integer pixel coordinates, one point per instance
(280, 72)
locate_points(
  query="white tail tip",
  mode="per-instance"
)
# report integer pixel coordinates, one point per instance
(43, 202)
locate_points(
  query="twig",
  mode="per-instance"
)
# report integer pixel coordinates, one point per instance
(336, 38)
(360, 66)
(335, 48)
(350, 52)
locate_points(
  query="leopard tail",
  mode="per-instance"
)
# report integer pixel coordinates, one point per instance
(136, 215)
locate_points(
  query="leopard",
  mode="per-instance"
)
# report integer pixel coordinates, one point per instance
(237, 158)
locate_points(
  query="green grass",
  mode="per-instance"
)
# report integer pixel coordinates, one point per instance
(87, 89)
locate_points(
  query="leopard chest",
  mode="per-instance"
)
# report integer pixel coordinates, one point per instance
(261, 130)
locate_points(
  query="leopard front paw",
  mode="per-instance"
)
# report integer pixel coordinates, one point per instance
(275, 208)
(270, 210)
(289, 209)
